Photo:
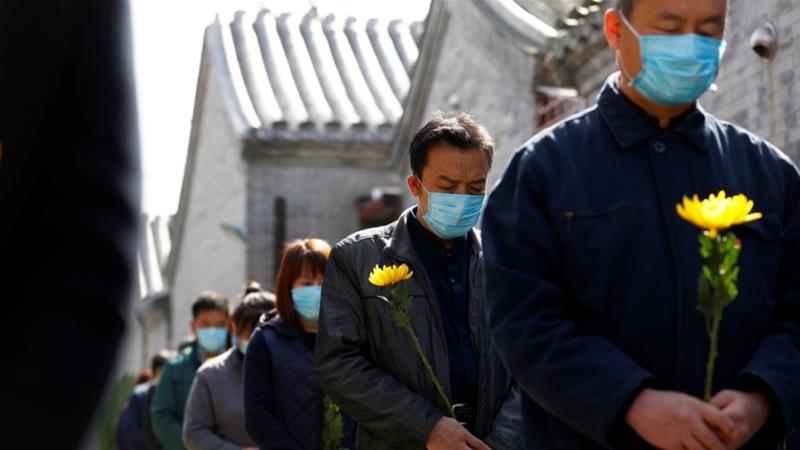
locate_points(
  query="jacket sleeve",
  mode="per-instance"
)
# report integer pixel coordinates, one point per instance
(164, 417)
(366, 393)
(776, 363)
(582, 379)
(507, 427)
(260, 419)
(198, 420)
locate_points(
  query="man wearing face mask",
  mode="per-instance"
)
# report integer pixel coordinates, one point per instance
(210, 323)
(592, 276)
(214, 418)
(367, 365)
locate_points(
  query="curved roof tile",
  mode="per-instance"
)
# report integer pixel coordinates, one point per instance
(303, 71)
(404, 43)
(317, 77)
(280, 74)
(253, 72)
(387, 56)
(371, 68)
(325, 68)
(353, 78)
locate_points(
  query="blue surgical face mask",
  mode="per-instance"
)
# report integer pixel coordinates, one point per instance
(306, 301)
(452, 215)
(676, 70)
(243, 346)
(212, 339)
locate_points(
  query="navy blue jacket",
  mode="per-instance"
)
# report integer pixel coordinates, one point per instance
(283, 400)
(130, 428)
(592, 276)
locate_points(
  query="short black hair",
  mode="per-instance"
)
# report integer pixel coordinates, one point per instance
(626, 6)
(459, 130)
(249, 311)
(159, 359)
(208, 300)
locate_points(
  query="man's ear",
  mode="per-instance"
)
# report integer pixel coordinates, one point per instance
(413, 185)
(612, 25)
(192, 326)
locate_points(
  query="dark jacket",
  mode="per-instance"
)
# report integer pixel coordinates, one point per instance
(169, 400)
(593, 276)
(283, 400)
(130, 428)
(150, 439)
(69, 212)
(368, 365)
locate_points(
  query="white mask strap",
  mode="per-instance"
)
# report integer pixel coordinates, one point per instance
(628, 24)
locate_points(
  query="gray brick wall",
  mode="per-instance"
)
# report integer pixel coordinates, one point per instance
(208, 257)
(759, 95)
(482, 71)
(320, 202)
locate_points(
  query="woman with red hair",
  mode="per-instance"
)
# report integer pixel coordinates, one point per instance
(284, 403)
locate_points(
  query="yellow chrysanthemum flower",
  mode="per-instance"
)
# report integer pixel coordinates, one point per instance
(389, 275)
(717, 212)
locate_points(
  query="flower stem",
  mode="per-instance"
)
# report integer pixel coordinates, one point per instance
(430, 371)
(712, 355)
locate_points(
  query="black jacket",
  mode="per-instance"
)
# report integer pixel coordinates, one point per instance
(69, 211)
(368, 365)
(283, 400)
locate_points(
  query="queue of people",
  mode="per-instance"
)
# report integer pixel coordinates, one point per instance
(568, 323)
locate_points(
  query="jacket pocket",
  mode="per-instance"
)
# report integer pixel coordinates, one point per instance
(601, 244)
(577, 217)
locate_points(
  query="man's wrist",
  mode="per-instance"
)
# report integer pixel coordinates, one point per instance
(773, 427)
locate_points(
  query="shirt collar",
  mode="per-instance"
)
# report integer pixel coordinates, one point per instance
(631, 125)
(427, 243)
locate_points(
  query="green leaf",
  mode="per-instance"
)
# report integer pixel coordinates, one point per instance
(332, 426)
(704, 298)
(709, 276)
(705, 245)
(731, 286)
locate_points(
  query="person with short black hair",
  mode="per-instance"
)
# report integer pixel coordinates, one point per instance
(214, 418)
(367, 364)
(210, 322)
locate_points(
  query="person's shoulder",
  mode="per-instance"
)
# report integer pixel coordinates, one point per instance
(140, 390)
(186, 360)
(740, 142)
(366, 240)
(562, 138)
(216, 363)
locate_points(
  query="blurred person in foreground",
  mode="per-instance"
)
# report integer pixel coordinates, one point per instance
(69, 212)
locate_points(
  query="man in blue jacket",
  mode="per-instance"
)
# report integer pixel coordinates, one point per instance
(592, 276)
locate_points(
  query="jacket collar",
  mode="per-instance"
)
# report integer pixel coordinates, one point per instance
(631, 125)
(285, 329)
(401, 247)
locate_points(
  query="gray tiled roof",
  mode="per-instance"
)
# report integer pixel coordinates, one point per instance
(316, 77)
